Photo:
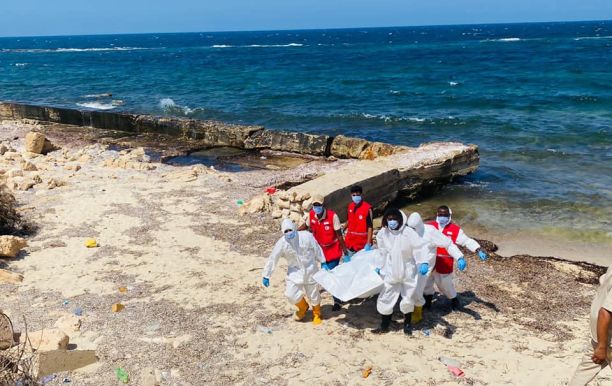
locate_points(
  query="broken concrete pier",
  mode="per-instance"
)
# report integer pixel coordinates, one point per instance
(386, 172)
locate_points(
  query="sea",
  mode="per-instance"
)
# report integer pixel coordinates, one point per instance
(536, 98)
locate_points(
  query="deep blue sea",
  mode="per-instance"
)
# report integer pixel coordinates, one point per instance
(536, 98)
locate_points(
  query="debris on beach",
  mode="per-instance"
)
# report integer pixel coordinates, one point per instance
(117, 307)
(91, 243)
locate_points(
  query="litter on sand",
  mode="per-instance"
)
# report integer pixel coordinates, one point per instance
(117, 307)
(366, 372)
(91, 243)
(457, 372)
(122, 375)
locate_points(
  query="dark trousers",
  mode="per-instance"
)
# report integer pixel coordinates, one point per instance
(332, 265)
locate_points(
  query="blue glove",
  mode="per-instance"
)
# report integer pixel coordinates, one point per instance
(377, 270)
(461, 264)
(325, 266)
(346, 258)
(423, 269)
(368, 247)
(265, 281)
(483, 255)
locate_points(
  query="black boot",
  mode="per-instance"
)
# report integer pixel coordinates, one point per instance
(455, 303)
(337, 305)
(407, 325)
(384, 325)
(428, 300)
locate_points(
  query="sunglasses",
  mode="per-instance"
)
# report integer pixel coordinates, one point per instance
(288, 230)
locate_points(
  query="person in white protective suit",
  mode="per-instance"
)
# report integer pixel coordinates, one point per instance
(303, 255)
(426, 242)
(398, 269)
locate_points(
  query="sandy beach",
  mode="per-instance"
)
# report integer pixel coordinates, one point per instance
(196, 313)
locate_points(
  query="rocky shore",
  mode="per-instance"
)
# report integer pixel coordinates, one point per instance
(172, 248)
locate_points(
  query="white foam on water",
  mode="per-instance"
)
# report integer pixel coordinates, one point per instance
(593, 37)
(453, 83)
(21, 64)
(97, 105)
(103, 95)
(168, 105)
(93, 49)
(258, 45)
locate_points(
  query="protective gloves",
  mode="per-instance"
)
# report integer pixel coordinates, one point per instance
(368, 247)
(325, 266)
(346, 258)
(423, 269)
(483, 255)
(265, 281)
(461, 264)
(377, 270)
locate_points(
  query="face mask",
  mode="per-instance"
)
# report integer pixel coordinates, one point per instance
(393, 224)
(442, 220)
(317, 209)
(356, 199)
(290, 235)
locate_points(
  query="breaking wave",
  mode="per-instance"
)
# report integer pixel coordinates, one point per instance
(97, 105)
(170, 107)
(95, 49)
(258, 45)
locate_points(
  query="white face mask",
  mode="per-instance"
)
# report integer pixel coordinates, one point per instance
(443, 220)
(290, 235)
(393, 224)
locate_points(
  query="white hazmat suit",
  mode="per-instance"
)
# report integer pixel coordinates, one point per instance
(427, 240)
(303, 255)
(398, 269)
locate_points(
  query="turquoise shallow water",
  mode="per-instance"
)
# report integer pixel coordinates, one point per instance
(536, 98)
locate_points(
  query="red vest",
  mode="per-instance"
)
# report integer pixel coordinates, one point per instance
(357, 226)
(444, 262)
(323, 231)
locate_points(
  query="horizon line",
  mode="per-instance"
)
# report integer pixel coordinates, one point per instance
(309, 29)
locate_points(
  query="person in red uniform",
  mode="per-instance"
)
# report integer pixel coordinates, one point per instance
(327, 230)
(359, 226)
(442, 274)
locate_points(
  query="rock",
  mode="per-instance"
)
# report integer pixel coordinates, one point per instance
(378, 149)
(28, 166)
(307, 203)
(35, 142)
(257, 204)
(49, 147)
(25, 184)
(74, 167)
(306, 196)
(348, 147)
(68, 323)
(285, 213)
(295, 142)
(295, 207)
(296, 218)
(36, 178)
(277, 213)
(283, 204)
(14, 173)
(48, 339)
(283, 195)
(55, 183)
(3, 148)
(11, 245)
(84, 158)
(12, 155)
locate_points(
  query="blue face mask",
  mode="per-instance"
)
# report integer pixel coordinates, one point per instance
(393, 224)
(290, 235)
(356, 199)
(442, 220)
(317, 209)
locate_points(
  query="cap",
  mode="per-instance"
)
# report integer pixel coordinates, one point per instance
(317, 198)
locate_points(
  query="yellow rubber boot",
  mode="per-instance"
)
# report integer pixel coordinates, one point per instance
(316, 314)
(417, 315)
(302, 307)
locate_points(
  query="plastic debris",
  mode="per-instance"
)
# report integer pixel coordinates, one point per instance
(123, 290)
(240, 202)
(91, 243)
(366, 372)
(117, 307)
(66, 302)
(271, 190)
(78, 311)
(449, 361)
(264, 329)
(426, 332)
(66, 380)
(456, 371)
(47, 379)
(122, 375)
